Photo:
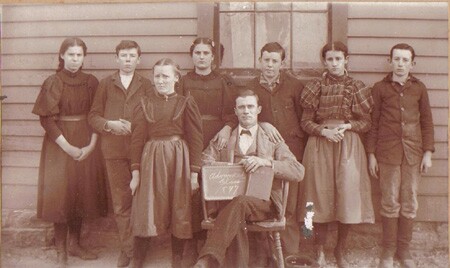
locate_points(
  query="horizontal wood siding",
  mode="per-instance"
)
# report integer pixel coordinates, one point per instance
(31, 36)
(373, 28)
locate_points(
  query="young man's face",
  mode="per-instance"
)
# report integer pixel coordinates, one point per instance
(335, 62)
(270, 64)
(247, 111)
(401, 62)
(128, 60)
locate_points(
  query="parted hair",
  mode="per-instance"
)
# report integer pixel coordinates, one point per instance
(205, 41)
(70, 42)
(169, 62)
(334, 46)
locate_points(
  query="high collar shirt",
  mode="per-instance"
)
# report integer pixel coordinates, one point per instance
(285, 165)
(402, 123)
(245, 140)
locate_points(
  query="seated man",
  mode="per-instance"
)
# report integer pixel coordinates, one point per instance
(252, 149)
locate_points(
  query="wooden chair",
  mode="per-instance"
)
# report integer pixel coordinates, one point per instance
(270, 226)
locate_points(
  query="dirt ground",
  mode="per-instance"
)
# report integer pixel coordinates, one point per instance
(159, 257)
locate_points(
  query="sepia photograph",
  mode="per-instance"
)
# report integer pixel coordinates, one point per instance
(224, 134)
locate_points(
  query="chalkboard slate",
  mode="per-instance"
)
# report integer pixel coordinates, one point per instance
(224, 182)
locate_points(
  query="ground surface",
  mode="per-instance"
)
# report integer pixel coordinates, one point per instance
(159, 257)
(27, 242)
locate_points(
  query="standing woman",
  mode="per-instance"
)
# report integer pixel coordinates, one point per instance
(336, 110)
(214, 95)
(71, 185)
(212, 92)
(166, 147)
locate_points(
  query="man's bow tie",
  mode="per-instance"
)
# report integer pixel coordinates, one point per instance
(246, 131)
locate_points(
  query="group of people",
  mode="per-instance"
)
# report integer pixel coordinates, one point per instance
(155, 137)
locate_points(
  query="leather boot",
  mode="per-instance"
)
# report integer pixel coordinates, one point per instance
(60, 243)
(339, 249)
(140, 251)
(177, 251)
(76, 250)
(191, 253)
(390, 227)
(321, 232)
(405, 228)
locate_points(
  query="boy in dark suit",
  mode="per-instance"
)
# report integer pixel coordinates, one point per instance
(111, 113)
(399, 146)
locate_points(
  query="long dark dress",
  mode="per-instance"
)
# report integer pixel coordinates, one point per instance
(214, 95)
(166, 145)
(68, 189)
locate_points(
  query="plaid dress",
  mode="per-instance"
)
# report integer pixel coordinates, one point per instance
(336, 176)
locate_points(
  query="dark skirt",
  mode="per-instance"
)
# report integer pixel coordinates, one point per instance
(69, 189)
(162, 202)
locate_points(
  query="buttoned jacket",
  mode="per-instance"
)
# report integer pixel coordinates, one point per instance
(113, 102)
(402, 123)
(282, 109)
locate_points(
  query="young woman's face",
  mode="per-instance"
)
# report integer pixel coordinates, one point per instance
(335, 62)
(164, 78)
(202, 57)
(73, 58)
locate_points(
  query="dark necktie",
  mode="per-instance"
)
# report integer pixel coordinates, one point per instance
(246, 131)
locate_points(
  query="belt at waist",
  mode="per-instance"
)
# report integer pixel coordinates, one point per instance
(167, 138)
(208, 117)
(332, 123)
(72, 118)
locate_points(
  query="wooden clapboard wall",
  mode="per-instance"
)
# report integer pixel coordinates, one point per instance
(372, 30)
(31, 36)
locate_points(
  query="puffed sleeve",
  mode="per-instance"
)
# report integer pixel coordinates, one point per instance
(193, 133)
(309, 100)
(47, 102)
(361, 107)
(47, 105)
(180, 88)
(139, 131)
